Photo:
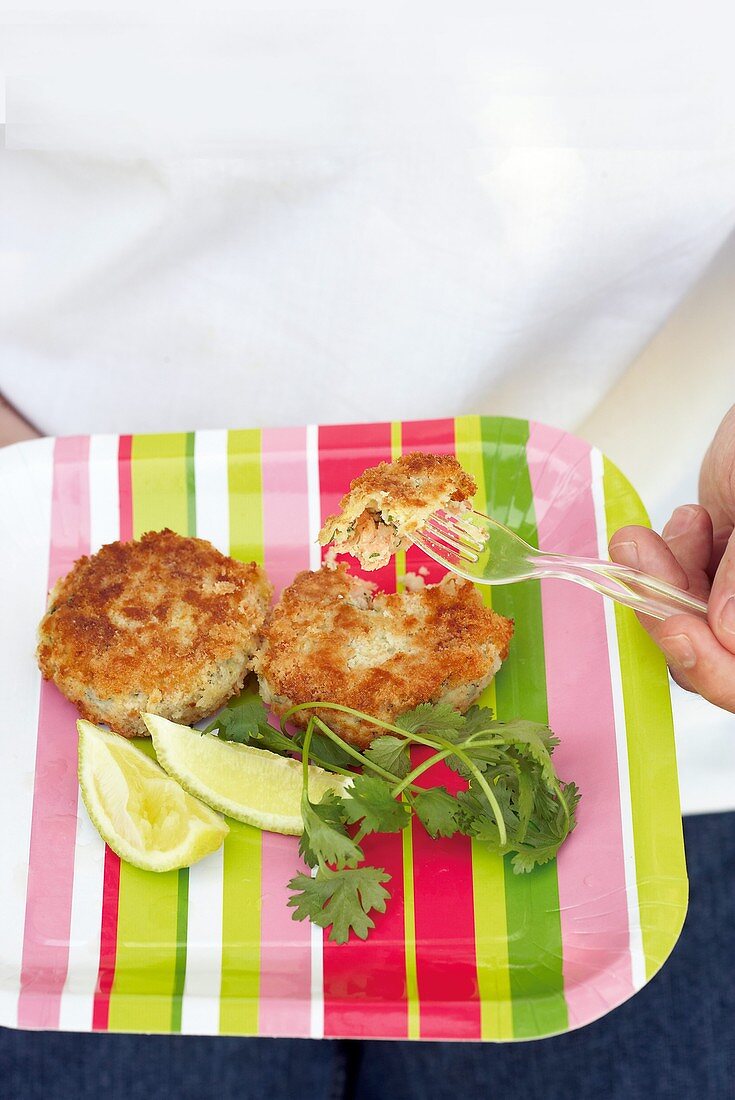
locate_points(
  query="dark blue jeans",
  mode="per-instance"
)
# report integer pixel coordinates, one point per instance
(675, 1039)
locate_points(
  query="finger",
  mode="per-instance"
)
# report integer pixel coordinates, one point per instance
(641, 548)
(681, 679)
(688, 535)
(717, 475)
(721, 609)
(692, 651)
(720, 539)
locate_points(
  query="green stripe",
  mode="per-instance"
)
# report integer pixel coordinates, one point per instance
(243, 847)
(532, 901)
(148, 932)
(182, 922)
(245, 485)
(657, 837)
(409, 924)
(182, 904)
(488, 878)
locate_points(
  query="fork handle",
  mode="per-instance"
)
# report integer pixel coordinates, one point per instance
(645, 594)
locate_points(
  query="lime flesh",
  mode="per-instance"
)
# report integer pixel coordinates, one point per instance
(138, 810)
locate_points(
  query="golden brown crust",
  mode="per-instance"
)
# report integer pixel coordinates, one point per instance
(332, 638)
(414, 480)
(163, 623)
(387, 503)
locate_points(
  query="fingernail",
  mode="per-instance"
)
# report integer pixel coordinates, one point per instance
(680, 651)
(627, 550)
(727, 616)
(681, 520)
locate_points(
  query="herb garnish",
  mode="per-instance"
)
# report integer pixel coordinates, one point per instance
(514, 802)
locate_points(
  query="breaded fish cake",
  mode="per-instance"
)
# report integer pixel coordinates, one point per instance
(387, 503)
(333, 638)
(164, 624)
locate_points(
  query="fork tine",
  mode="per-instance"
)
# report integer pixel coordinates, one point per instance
(455, 536)
(443, 544)
(443, 554)
(454, 526)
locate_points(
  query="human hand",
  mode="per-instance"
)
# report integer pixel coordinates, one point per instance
(13, 428)
(696, 551)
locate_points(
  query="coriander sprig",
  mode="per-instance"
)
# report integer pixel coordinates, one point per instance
(514, 803)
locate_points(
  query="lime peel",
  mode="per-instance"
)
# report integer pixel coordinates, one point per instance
(252, 785)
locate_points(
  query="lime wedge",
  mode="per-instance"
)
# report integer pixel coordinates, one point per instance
(137, 809)
(251, 785)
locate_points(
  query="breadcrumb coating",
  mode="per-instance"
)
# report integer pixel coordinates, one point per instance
(165, 624)
(334, 638)
(387, 503)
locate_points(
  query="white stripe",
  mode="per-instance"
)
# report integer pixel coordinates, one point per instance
(200, 1003)
(26, 480)
(212, 497)
(104, 491)
(637, 955)
(200, 1006)
(315, 557)
(77, 999)
(312, 482)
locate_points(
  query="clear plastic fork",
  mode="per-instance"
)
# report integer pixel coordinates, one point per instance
(483, 550)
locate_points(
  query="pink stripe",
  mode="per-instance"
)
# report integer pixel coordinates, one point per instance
(111, 878)
(446, 961)
(285, 953)
(285, 504)
(597, 965)
(125, 486)
(54, 817)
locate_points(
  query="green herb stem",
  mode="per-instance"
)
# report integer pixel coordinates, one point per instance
(305, 759)
(469, 763)
(420, 769)
(354, 753)
(355, 714)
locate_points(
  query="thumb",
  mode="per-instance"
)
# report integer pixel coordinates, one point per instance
(721, 612)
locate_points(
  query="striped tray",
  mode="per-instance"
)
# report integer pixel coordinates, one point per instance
(466, 949)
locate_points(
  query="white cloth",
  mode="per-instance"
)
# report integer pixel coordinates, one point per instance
(361, 213)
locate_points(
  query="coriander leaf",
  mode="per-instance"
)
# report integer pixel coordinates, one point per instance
(478, 720)
(342, 899)
(274, 740)
(554, 813)
(532, 740)
(390, 753)
(476, 819)
(533, 844)
(483, 757)
(370, 800)
(325, 838)
(437, 809)
(241, 720)
(505, 794)
(480, 828)
(324, 750)
(430, 718)
(526, 859)
(571, 796)
(246, 722)
(329, 753)
(525, 801)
